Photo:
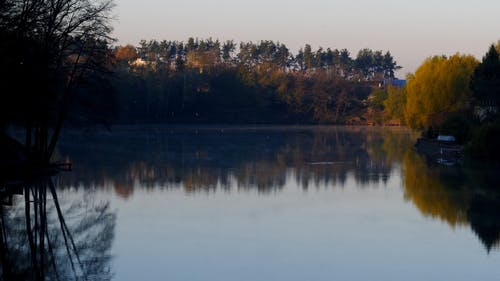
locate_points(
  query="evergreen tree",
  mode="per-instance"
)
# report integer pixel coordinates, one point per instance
(485, 83)
(308, 57)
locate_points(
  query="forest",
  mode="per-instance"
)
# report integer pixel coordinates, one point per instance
(208, 81)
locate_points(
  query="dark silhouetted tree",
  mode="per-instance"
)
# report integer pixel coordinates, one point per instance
(48, 49)
(485, 83)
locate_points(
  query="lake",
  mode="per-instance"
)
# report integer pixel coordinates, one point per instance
(256, 203)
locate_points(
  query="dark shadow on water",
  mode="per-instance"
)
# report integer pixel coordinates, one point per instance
(44, 237)
(484, 218)
(461, 195)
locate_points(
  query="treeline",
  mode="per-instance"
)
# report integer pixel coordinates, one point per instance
(455, 95)
(206, 53)
(224, 82)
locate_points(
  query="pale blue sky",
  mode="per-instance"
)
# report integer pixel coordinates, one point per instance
(411, 30)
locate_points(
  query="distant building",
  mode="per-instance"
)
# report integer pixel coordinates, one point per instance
(392, 82)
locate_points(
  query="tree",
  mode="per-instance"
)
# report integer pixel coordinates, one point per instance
(389, 65)
(438, 87)
(49, 48)
(345, 63)
(126, 53)
(204, 81)
(299, 59)
(308, 57)
(395, 103)
(364, 63)
(283, 57)
(329, 58)
(485, 84)
(228, 48)
(319, 58)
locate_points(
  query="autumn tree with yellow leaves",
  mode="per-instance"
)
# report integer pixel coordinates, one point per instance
(439, 88)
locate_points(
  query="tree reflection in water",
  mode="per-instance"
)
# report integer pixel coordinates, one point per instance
(456, 195)
(244, 158)
(264, 159)
(43, 238)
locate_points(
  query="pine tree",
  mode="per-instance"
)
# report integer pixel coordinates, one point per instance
(485, 83)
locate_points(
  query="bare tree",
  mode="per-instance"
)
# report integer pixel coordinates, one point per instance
(50, 47)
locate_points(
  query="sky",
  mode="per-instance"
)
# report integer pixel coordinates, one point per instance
(410, 30)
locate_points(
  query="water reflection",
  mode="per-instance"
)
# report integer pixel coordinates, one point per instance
(242, 158)
(457, 195)
(46, 238)
(267, 159)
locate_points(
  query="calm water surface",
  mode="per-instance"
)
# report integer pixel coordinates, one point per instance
(265, 203)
